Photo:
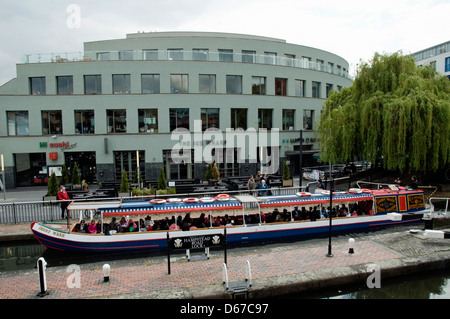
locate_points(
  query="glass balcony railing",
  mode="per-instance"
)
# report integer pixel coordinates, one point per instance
(181, 55)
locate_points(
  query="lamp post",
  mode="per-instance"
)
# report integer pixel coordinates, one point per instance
(329, 254)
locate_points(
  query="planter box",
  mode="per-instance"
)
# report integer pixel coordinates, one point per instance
(49, 198)
(288, 183)
(124, 194)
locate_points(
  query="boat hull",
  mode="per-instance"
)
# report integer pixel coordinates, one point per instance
(53, 238)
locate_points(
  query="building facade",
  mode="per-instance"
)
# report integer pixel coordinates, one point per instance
(115, 106)
(438, 57)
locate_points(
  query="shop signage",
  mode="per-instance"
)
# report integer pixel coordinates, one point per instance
(63, 145)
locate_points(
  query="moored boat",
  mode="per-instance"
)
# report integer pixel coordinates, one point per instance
(247, 218)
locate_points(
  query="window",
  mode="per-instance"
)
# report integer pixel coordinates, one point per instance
(234, 84)
(84, 122)
(280, 86)
(92, 84)
(116, 121)
(126, 161)
(179, 118)
(288, 59)
(150, 83)
(126, 55)
(210, 118)
(225, 55)
(148, 120)
(64, 85)
(316, 89)
(17, 123)
(258, 85)
(200, 54)
(121, 84)
(265, 118)
(103, 56)
(179, 83)
(270, 57)
(51, 122)
(447, 64)
(248, 56)
(207, 83)
(308, 119)
(329, 87)
(150, 54)
(299, 88)
(175, 54)
(288, 120)
(239, 118)
(37, 86)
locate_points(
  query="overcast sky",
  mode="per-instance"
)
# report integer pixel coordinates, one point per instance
(353, 29)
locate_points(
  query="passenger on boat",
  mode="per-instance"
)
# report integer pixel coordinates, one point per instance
(82, 227)
(123, 224)
(414, 182)
(201, 221)
(187, 222)
(113, 227)
(132, 226)
(92, 227)
(142, 225)
(148, 221)
(217, 221)
(324, 212)
(165, 224)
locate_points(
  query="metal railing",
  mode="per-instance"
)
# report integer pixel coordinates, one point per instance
(169, 55)
(28, 212)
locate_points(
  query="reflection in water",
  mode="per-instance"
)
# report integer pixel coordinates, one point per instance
(433, 285)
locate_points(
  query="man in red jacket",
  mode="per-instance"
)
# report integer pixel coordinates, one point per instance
(64, 198)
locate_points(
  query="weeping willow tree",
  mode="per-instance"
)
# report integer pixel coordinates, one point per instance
(395, 112)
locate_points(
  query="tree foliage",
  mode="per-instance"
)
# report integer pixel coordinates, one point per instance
(395, 112)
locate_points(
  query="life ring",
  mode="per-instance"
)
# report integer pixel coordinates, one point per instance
(190, 200)
(174, 200)
(303, 194)
(157, 201)
(223, 197)
(327, 193)
(365, 190)
(207, 199)
(355, 191)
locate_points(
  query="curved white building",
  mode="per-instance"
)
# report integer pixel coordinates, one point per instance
(124, 97)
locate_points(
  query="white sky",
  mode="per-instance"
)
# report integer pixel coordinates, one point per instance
(353, 29)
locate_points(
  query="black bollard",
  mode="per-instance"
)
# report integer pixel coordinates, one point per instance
(41, 264)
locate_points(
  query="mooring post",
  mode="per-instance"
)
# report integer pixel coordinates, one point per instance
(41, 264)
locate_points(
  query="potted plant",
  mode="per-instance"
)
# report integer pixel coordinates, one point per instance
(124, 190)
(52, 188)
(85, 185)
(76, 179)
(162, 184)
(209, 174)
(287, 180)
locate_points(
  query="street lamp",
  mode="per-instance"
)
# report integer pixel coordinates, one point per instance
(330, 217)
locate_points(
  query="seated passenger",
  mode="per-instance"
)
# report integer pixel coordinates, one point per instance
(132, 226)
(217, 221)
(113, 227)
(92, 227)
(82, 227)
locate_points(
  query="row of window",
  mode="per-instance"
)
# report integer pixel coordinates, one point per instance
(179, 83)
(18, 121)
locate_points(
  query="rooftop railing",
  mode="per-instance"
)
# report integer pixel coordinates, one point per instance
(181, 55)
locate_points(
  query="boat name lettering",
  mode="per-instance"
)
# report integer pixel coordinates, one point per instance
(44, 229)
(196, 241)
(55, 233)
